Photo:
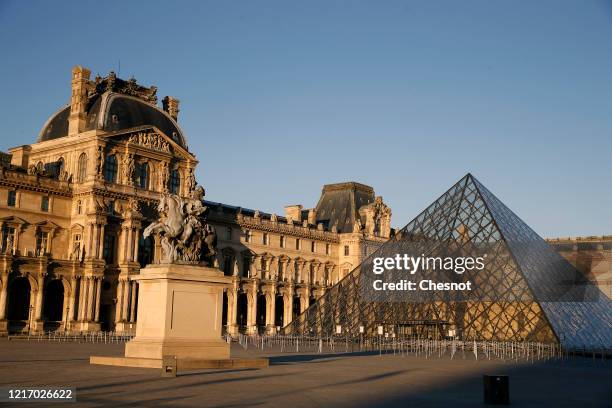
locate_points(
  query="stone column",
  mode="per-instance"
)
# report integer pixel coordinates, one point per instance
(72, 300)
(136, 239)
(288, 307)
(119, 305)
(94, 240)
(66, 308)
(39, 297)
(80, 312)
(121, 246)
(101, 242)
(3, 292)
(90, 243)
(129, 248)
(98, 283)
(133, 302)
(232, 310)
(90, 298)
(252, 311)
(271, 310)
(125, 302)
(304, 299)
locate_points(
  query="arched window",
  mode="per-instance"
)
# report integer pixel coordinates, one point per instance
(82, 174)
(175, 181)
(110, 169)
(143, 175)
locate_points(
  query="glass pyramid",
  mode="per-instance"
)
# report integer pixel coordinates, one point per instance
(526, 290)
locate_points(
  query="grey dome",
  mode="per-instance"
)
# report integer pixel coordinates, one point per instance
(115, 112)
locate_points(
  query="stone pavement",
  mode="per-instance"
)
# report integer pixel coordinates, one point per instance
(303, 380)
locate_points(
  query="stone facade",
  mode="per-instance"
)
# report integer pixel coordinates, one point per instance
(74, 204)
(591, 256)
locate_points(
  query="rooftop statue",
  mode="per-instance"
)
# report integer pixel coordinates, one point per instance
(186, 237)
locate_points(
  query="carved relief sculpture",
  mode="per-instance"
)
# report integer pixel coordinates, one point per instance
(150, 140)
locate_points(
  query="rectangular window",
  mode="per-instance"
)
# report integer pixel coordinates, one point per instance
(41, 242)
(265, 238)
(346, 250)
(298, 244)
(247, 236)
(108, 250)
(313, 246)
(229, 233)
(44, 204)
(12, 198)
(282, 241)
(327, 249)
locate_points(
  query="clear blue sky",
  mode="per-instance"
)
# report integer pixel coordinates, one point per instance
(279, 98)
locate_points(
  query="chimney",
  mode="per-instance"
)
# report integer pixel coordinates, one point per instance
(20, 156)
(78, 100)
(312, 216)
(171, 105)
(294, 212)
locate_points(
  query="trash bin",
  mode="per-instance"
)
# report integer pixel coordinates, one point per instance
(168, 366)
(496, 389)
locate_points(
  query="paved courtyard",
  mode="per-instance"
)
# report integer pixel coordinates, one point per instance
(303, 380)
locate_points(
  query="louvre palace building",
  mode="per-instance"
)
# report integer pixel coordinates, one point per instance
(74, 204)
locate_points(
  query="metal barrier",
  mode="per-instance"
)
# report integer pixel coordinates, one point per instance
(79, 337)
(479, 350)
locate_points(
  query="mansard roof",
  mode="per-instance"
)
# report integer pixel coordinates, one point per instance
(340, 203)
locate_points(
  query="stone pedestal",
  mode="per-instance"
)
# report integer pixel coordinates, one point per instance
(179, 313)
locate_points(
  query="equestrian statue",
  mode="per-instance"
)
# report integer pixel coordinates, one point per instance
(186, 236)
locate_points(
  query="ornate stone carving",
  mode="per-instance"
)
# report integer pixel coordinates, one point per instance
(186, 237)
(150, 140)
(99, 162)
(128, 168)
(33, 170)
(191, 181)
(377, 216)
(165, 175)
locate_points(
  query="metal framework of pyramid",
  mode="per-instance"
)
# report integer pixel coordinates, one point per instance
(526, 292)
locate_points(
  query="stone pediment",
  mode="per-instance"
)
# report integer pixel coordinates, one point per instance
(13, 220)
(47, 225)
(153, 139)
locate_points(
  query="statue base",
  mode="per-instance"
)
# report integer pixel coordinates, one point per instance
(179, 313)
